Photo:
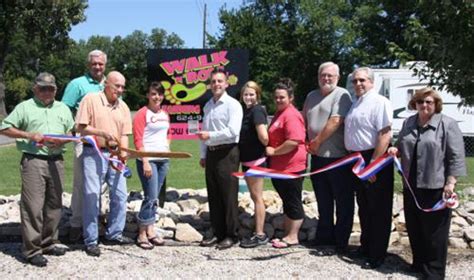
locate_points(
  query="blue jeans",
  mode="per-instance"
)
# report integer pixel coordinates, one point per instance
(97, 171)
(151, 188)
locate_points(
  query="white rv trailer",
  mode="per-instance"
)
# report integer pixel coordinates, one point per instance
(399, 85)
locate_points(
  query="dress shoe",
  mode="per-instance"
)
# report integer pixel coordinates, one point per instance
(55, 251)
(226, 243)
(209, 242)
(357, 254)
(93, 250)
(373, 264)
(38, 260)
(415, 268)
(121, 240)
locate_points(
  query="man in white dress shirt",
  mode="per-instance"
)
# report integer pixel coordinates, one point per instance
(368, 131)
(220, 157)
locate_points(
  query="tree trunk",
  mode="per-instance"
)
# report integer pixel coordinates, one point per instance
(3, 111)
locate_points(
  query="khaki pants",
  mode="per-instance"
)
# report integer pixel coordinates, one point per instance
(40, 203)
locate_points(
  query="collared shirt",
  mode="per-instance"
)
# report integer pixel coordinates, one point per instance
(223, 120)
(288, 125)
(368, 115)
(78, 88)
(439, 152)
(96, 111)
(32, 116)
(318, 109)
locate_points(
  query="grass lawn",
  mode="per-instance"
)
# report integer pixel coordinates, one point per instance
(184, 173)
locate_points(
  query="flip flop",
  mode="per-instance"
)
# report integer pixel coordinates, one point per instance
(145, 245)
(157, 241)
(282, 244)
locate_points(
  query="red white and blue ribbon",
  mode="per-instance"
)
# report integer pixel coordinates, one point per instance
(359, 169)
(118, 164)
(449, 202)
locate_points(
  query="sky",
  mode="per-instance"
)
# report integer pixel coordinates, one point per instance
(122, 17)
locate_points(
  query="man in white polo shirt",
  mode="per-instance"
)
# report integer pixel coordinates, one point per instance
(368, 131)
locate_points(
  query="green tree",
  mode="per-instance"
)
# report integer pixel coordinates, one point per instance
(390, 33)
(290, 38)
(443, 32)
(44, 23)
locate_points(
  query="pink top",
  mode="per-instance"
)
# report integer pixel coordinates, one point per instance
(150, 131)
(288, 125)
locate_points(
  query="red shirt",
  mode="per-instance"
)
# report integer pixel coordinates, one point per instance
(288, 125)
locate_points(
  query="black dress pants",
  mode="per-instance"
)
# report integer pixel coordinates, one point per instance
(333, 187)
(428, 232)
(222, 190)
(375, 211)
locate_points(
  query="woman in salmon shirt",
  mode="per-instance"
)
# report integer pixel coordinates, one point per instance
(286, 152)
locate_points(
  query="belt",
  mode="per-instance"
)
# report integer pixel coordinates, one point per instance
(221, 147)
(43, 157)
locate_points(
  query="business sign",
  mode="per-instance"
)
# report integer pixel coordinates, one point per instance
(185, 73)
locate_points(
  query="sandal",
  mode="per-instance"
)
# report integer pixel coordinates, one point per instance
(157, 241)
(145, 245)
(283, 244)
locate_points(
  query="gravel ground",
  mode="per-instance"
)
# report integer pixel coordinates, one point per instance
(193, 262)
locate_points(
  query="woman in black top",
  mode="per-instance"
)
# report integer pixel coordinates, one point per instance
(253, 139)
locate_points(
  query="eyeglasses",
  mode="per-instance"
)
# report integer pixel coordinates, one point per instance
(428, 102)
(358, 80)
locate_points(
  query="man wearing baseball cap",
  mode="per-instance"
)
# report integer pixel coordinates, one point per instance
(42, 167)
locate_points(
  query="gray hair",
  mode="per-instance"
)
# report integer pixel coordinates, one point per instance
(96, 53)
(327, 64)
(367, 70)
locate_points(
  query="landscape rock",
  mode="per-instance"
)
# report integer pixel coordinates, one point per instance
(278, 222)
(457, 243)
(186, 233)
(166, 223)
(469, 234)
(188, 206)
(469, 206)
(459, 221)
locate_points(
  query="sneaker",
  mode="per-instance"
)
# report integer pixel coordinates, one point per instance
(55, 251)
(38, 260)
(121, 240)
(93, 250)
(254, 241)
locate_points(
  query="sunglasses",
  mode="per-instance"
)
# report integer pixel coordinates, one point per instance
(358, 80)
(428, 102)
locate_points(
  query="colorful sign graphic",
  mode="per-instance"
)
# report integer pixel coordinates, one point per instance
(184, 73)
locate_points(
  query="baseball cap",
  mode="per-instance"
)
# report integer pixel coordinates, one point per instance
(45, 80)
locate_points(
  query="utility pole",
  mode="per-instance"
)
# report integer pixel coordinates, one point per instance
(204, 27)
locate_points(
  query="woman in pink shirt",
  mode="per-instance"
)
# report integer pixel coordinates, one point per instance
(287, 153)
(150, 133)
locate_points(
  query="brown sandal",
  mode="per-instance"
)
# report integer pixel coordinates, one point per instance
(157, 241)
